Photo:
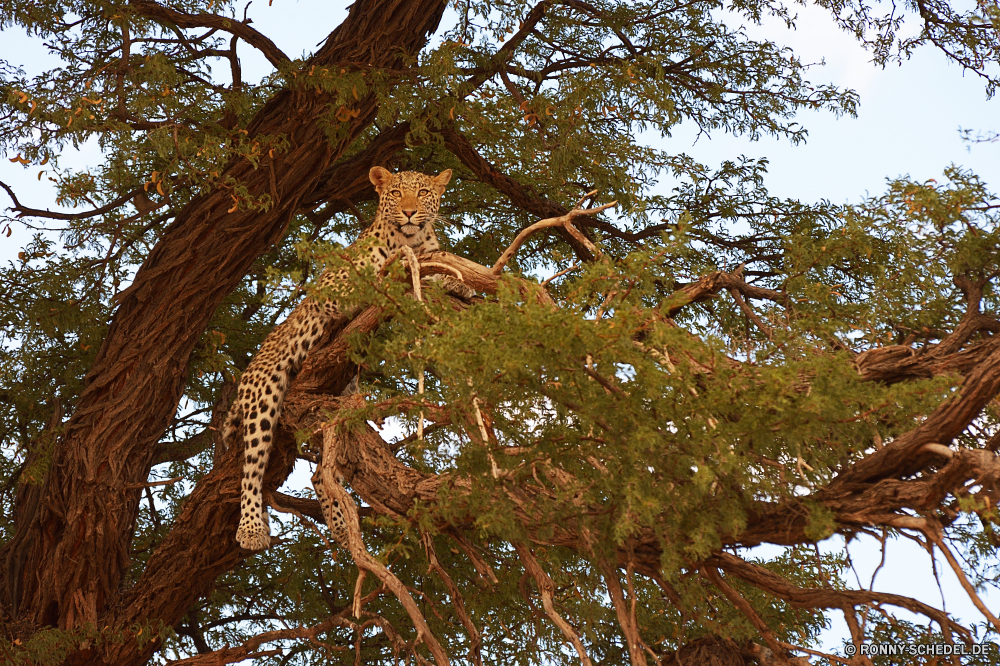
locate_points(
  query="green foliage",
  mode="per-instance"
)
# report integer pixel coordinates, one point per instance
(676, 419)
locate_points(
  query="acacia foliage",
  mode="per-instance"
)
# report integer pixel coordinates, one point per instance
(725, 369)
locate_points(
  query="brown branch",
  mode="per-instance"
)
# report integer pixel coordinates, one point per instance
(232, 655)
(904, 455)
(901, 362)
(736, 599)
(24, 211)
(799, 597)
(563, 221)
(259, 41)
(518, 194)
(626, 619)
(546, 588)
(710, 285)
(326, 476)
(751, 315)
(475, 639)
(302, 506)
(933, 532)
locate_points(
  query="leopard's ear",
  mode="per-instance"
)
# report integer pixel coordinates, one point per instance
(441, 180)
(380, 178)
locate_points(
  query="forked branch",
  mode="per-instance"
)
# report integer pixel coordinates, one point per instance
(326, 478)
(546, 588)
(563, 221)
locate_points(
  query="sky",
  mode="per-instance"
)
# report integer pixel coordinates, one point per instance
(908, 124)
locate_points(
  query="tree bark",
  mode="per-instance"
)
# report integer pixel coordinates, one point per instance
(71, 549)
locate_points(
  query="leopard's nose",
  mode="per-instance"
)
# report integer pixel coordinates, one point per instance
(409, 213)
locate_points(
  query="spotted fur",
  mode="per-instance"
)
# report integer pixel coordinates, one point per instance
(408, 206)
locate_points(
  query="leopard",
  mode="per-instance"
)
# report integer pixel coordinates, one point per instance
(408, 207)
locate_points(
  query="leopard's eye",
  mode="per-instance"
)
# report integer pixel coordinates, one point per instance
(423, 193)
(396, 193)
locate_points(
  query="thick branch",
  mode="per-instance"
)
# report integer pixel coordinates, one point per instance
(326, 477)
(905, 455)
(255, 39)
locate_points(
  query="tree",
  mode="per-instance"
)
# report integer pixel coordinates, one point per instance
(702, 372)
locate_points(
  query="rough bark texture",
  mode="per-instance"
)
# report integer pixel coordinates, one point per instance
(85, 511)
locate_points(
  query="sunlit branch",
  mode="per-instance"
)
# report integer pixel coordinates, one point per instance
(546, 588)
(325, 475)
(518, 194)
(563, 221)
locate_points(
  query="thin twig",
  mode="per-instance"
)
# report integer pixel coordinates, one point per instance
(933, 533)
(167, 482)
(549, 279)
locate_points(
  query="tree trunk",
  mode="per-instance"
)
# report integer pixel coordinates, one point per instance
(66, 563)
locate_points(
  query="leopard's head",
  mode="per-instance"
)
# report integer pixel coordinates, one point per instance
(409, 200)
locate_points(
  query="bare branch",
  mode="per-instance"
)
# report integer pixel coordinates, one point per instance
(325, 477)
(563, 221)
(933, 532)
(236, 28)
(546, 588)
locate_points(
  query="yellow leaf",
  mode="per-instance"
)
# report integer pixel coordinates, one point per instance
(34, 105)
(24, 97)
(236, 204)
(354, 91)
(40, 173)
(159, 188)
(451, 113)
